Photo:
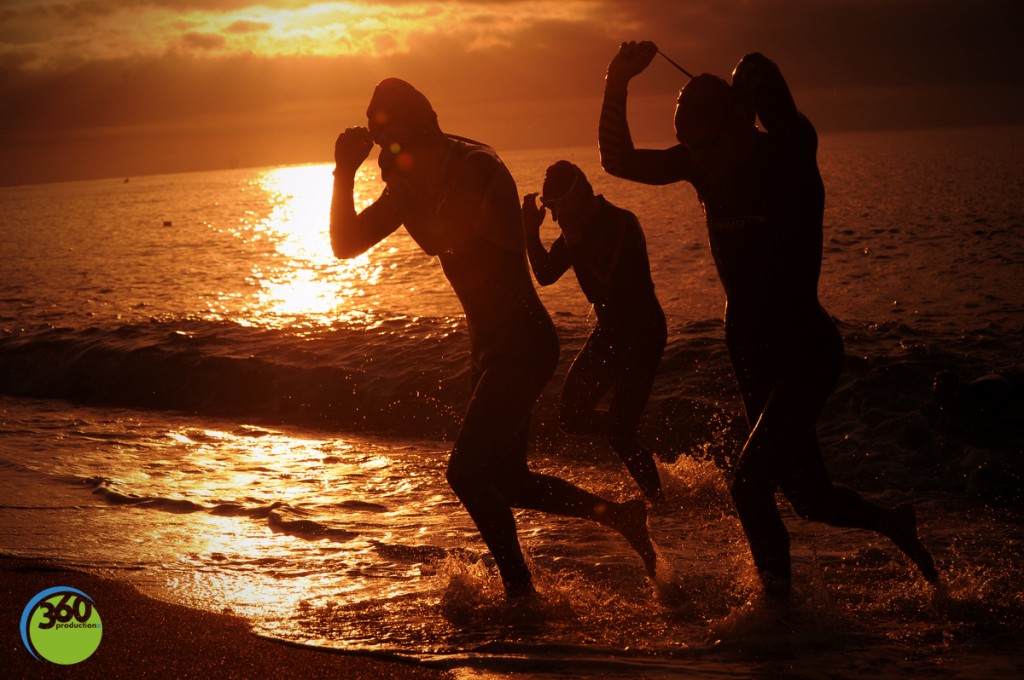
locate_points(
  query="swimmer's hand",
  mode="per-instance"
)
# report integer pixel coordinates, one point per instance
(352, 148)
(533, 216)
(631, 59)
(752, 76)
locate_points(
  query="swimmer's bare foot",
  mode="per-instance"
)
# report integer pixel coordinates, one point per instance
(900, 525)
(520, 591)
(631, 522)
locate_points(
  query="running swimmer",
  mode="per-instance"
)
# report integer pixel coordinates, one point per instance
(605, 247)
(763, 200)
(459, 203)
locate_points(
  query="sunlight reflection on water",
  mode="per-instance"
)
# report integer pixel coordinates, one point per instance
(303, 282)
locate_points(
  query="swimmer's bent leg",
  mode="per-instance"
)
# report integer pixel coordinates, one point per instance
(601, 366)
(589, 377)
(490, 449)
(496, 523)
(818, 499)
(489, 500)
(559, 497)
(629, 399)
(489, 473)
(783, 428)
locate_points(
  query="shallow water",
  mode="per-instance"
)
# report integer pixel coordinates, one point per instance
(220, 413)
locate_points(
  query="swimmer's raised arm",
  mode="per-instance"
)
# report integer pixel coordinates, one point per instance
(619, 157)
(759, 83)
(548, 265)
(353, 234)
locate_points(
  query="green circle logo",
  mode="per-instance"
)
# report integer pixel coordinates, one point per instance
(61, 625)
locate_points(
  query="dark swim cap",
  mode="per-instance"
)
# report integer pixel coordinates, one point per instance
(396, 101)
(561, 178)
(703, 109)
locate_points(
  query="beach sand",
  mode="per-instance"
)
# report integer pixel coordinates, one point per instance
(146, 638)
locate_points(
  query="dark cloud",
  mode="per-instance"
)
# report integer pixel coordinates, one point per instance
(110, 6)
(851, 63)
(844, 43)
(243, 27)
(203, 41)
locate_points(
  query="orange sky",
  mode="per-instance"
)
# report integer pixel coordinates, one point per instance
(102, 88)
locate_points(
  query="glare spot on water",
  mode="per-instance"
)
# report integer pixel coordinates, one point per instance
(298, 278)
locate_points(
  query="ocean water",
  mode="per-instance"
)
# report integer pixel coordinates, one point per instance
(197, 398)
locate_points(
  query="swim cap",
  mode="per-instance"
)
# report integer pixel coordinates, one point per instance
(396, 101)
(703, 108)
(561, 178)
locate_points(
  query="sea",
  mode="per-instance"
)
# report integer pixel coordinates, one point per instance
(198, 399)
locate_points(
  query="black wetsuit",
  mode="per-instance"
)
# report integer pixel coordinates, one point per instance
(473, 225)
(765, 231)
(623, 352)
(472, 222)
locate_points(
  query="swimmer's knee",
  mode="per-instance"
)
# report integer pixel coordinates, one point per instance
(835, 504)
(748, 494)
(468, 474)
(456, 477)
(812, 509)
(513, 487)
(463, 474)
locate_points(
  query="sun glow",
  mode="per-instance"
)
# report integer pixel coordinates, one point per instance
(268, 29)
(298, 278)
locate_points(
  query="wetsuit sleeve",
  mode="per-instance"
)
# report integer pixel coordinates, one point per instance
(353, 234)
(620, 158)
(548, 265)
(759, 82)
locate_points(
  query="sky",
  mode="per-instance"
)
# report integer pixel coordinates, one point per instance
(109, 88)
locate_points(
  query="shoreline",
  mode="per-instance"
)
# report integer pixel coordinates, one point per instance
(147, 638)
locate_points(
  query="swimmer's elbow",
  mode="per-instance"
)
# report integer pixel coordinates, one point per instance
(348, 253)
(340, 248)
(346, 248)
(341, 253)
(613, 164)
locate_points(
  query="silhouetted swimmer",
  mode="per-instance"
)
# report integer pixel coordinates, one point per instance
(763, 201)
(458, 202)
(606, 249)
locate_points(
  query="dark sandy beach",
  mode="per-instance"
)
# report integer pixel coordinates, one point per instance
(146, 638)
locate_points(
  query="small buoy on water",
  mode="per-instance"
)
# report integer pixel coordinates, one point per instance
(167, 223)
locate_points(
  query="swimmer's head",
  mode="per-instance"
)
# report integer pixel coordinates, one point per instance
(561, 179)
(703, 110)
(400, 114)
(566, 190)
(715, 124)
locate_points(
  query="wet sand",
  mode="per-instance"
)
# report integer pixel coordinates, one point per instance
(146, 638)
